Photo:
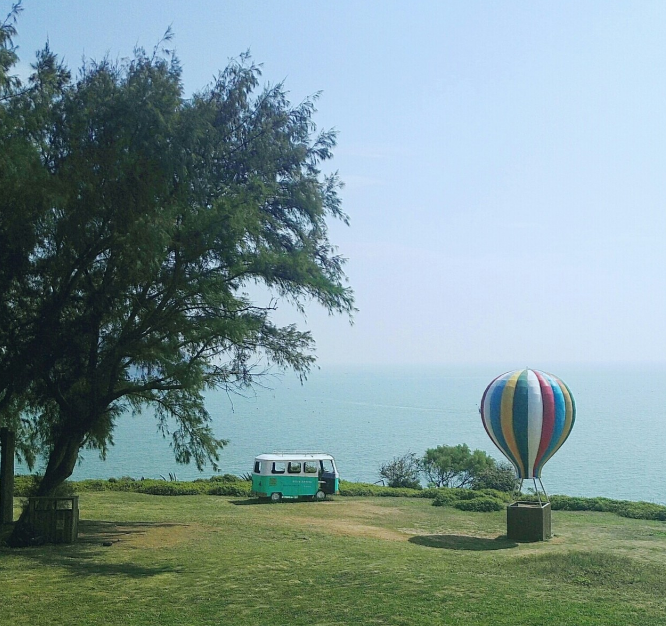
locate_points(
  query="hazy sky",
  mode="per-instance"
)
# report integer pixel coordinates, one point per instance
(505, 162)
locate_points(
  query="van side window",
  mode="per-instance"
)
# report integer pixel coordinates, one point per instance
(327, 466)
(257, 467)
(294, 468)
(310, 467)
(279, 467)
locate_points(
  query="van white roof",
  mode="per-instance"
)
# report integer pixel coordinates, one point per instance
(295, 456)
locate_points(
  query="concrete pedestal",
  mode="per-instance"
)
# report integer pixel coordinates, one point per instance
(528, 521)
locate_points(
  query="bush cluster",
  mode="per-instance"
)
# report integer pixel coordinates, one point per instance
(482, 500)
(483, 504)
(449, 466)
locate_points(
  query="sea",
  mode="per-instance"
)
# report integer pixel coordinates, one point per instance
(368, 415)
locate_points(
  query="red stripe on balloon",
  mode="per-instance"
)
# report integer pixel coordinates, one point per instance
(548, 426)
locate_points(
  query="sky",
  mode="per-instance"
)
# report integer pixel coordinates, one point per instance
(504, 162)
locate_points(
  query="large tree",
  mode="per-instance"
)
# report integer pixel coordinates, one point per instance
(133, 222)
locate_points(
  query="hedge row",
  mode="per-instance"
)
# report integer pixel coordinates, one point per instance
(623, 508)
(226, 485)
(464, 499)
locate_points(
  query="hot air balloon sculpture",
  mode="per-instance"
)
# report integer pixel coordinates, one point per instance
(528, 414)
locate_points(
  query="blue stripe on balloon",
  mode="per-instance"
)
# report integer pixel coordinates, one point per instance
(520, 419)
(496, 421)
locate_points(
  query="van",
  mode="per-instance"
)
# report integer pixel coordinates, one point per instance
(293, 475)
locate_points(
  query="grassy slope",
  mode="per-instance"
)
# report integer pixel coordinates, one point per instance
(216, 560)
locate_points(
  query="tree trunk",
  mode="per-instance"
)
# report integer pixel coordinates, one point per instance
(7, 451)
(60, 467)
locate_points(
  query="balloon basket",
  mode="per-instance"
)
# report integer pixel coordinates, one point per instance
(528, 521)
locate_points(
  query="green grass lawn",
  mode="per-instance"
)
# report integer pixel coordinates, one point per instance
(228, 561)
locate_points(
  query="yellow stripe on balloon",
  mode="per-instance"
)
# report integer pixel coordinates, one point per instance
(506, 419)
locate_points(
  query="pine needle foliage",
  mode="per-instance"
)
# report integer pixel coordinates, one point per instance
(134, 222)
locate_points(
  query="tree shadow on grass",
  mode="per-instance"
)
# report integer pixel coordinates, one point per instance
(464, 542)
(86, 556)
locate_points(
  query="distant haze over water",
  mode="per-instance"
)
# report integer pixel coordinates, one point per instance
(365, 416)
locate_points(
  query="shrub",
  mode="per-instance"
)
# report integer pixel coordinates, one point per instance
(170, 488)
(358, 489)
(501, 477)
(445, 498)
(470, 500)
(366, 489)
(642, 510)
(503, 496)
(402, 471)
(224, 478)
(97, 485)
(483, 504)
(230, 489)
(623, 508)
(370, 490)
(26, 485)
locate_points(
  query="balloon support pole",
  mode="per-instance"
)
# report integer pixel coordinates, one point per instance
(539, 490)
(529, 520)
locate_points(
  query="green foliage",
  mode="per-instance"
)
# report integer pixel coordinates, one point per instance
(480, 505)
(367, 489)
(225, 478)
(239, 488)
(402, 471)
(623, 508)
(235, 486)
(471, 500)
(454, 466)
(501, 476)
(132, 221)
(226, 485)
(28, 485)
(169, 488)
(642, 510)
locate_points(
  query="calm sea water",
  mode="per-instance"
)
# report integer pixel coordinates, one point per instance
(367, 416)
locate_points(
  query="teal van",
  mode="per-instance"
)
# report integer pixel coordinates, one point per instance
(311, 475)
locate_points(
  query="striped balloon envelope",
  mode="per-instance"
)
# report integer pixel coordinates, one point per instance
(528, 414)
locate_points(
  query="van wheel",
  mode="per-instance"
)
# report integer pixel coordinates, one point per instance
(276, 497)
(319, 496)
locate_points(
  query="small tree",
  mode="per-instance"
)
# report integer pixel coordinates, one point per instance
(454, 466)
(402, 471)
(501, 477)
